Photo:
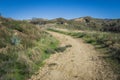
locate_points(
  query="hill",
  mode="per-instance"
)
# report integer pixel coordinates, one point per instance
(83, 23)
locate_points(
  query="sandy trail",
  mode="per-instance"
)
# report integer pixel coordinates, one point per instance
(79, 62)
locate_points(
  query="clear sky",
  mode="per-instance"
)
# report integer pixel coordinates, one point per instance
(26, 9)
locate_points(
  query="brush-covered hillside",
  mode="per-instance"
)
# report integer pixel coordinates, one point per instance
(83, 23)
(112, 25)
(23, 47)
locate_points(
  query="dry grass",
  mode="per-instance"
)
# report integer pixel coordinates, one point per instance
(21, 49)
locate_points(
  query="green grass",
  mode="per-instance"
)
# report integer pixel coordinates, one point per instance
(25, 62)
(22, 49)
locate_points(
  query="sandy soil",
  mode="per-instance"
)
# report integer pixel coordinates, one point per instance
(79, 62)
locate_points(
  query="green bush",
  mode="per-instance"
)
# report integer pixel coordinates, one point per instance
(49, 51)
(60, 49)
(15, 40)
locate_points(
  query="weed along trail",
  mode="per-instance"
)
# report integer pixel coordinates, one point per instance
(78, 62)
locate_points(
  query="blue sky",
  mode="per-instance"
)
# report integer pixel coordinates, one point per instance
(26, 9)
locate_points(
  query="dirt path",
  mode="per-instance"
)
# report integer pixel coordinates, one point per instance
(79, 62)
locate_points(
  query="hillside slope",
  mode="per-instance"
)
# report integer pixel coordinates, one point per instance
(23, 47)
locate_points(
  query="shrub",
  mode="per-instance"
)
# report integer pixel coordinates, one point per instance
(15, 40)
(60, 49)
(49, 51)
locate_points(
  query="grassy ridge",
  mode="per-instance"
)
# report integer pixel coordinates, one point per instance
(22, 49)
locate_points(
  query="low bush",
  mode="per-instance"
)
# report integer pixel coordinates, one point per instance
(60, 49)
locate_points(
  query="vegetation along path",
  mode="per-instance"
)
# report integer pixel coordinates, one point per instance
(78, 62)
